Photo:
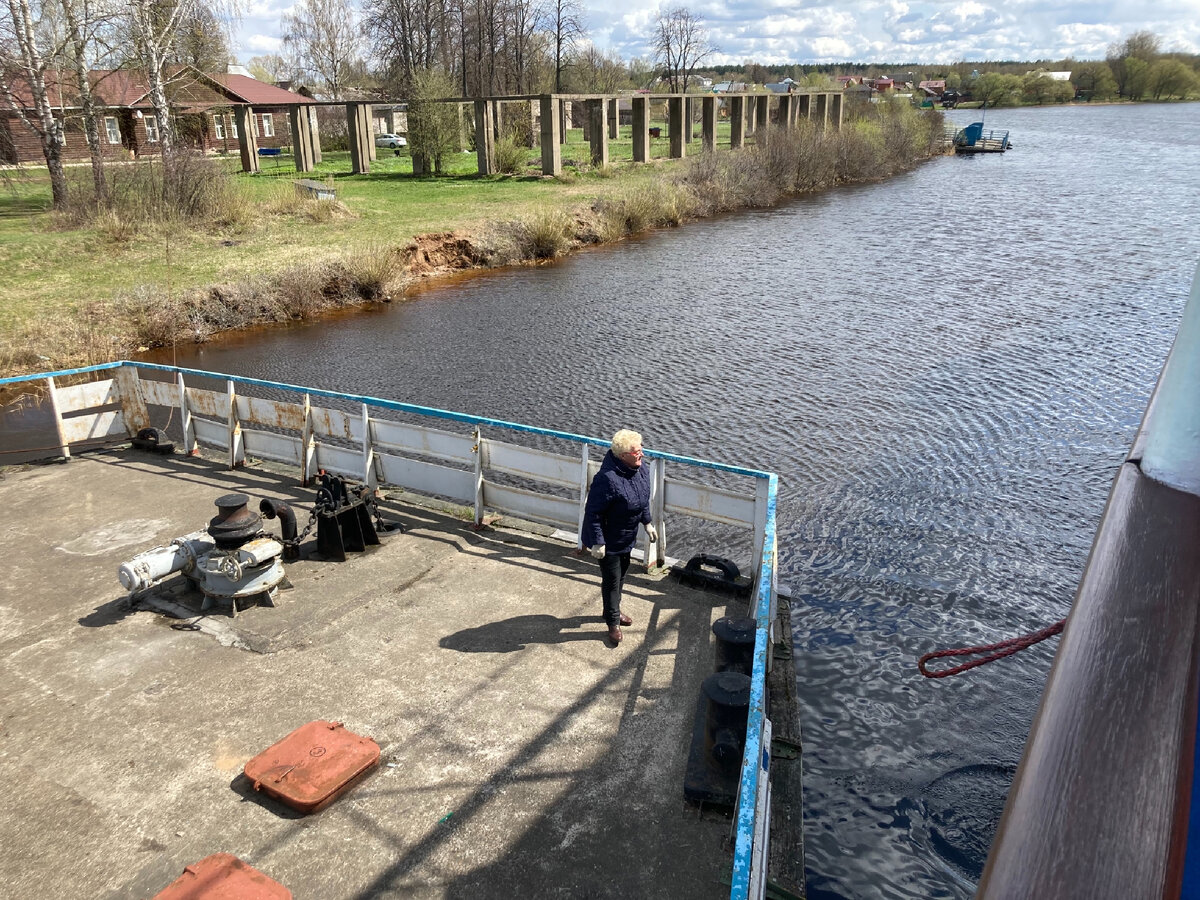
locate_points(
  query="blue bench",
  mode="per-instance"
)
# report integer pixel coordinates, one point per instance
(269, 151)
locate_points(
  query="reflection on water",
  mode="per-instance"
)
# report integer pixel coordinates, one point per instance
(945, 370)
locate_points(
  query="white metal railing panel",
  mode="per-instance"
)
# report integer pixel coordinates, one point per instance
(714, 504)
(340, 460)
(335, 423)
(398, 436)
(268, 445)
(530, 463)
(159, 393)
(527, 504)
(276, 413)
(428, 478)
(87, 396)
(209, 404)
(95, 425)
(214, 434)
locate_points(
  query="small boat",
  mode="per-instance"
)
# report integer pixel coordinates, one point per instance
(972, 139)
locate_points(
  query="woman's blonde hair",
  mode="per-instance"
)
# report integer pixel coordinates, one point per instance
(624, 441)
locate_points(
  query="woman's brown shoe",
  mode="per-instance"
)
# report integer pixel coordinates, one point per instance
(625, 620)
(614, 634)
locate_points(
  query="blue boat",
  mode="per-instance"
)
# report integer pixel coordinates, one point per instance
(972, 139)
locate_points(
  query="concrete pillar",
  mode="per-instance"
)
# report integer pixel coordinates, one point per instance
(564, 110)
(751, 115)
(301, 137)
(360, 156)
(551, 137)
(785, 111)
(367, 123)
(314, 134)
(688, 113)
(497, 120)
(805, 110)
(737, 123)
(614, 119)
(598, 129)
(484, 148)
(389, 119)
(675, 118)
(462, 128)
(838, 110)
(822, 110)
(641, 128)
(534, 116)
(708, 121)
(762, 112)
(247, 142)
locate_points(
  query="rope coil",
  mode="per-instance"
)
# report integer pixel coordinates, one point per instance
(996, 651)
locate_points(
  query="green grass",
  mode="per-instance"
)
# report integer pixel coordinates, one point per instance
(49, 266)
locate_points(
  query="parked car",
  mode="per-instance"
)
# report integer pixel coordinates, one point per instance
(391, 141)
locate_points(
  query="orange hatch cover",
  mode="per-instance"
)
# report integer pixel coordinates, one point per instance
(312, 766)
(223, 876)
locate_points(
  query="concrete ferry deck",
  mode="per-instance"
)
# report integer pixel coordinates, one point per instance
(522, 754)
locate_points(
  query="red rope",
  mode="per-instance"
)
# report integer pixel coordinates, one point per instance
(994, 652)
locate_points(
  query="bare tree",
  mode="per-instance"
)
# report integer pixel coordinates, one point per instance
(202, 41)
(566, 23)
(152, 27)
(82, 21)
(323, 36)
(409, 35)
(24, 60)
(680, 44)
(271, 68)
(1142, 46)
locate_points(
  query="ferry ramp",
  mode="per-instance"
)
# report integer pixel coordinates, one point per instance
(522, 754)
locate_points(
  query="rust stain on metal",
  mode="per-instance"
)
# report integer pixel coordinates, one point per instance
(208, 403)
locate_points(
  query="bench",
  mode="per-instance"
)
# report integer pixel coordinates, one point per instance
(317, 189)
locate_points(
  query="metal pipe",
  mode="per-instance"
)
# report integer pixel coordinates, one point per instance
(287, 523)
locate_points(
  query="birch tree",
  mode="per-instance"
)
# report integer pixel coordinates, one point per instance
(24, 61)
(323, 37)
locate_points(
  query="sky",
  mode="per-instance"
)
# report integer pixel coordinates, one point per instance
(880, 31)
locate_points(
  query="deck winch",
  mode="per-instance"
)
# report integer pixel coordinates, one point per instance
(231, 560)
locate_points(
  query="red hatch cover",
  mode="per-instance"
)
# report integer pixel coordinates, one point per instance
(223, 876)
(312, 766)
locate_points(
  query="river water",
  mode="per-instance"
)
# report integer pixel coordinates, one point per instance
(945, 369)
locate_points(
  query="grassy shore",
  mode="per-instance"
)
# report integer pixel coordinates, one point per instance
(86, 286)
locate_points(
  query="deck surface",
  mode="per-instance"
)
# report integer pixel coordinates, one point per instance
(522, 755)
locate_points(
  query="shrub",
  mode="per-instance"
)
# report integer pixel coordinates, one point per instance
(510, 157)
(547, 234)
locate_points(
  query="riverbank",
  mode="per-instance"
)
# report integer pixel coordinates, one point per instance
(269, 255)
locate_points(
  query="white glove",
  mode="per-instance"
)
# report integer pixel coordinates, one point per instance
(597, 551)
(651, 533)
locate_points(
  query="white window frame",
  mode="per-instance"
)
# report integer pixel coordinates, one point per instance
(151, 125)
(219, 126)
(268, 125)
(113, 129)
(233, 132)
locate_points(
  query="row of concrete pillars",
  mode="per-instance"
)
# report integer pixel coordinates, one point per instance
(749, 114)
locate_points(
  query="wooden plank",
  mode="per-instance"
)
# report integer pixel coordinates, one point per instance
(713, 504)
(529, 463)
(398, 437)
(93, 425)
(87, 396)
(269, 445)
(428, 478)
(274, 413)
(528, 505)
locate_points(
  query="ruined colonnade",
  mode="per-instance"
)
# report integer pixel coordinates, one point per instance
(749, 114)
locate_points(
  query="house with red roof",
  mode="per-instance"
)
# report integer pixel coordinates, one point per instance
(202, 110)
